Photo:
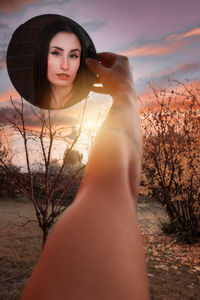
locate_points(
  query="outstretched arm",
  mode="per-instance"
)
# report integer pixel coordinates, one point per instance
(95, 251)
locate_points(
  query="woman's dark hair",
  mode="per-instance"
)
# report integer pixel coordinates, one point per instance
(84, 78)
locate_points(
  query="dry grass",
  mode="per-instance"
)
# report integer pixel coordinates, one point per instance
(172, 269)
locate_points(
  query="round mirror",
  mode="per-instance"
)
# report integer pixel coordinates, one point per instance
(46, 61)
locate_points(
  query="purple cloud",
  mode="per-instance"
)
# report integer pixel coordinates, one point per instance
(170, 44)
(8, 115)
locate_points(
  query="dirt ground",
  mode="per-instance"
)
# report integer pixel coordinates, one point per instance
(173, 269)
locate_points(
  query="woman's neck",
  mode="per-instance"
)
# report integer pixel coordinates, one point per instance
(60, 96)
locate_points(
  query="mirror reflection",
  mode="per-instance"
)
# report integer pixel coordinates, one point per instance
(46, 61)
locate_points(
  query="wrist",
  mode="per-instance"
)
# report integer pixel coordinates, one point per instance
(123, 86)
(124, 94)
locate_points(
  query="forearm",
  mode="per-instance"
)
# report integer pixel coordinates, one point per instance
(117, 148)
(115, 75)
(124, 117)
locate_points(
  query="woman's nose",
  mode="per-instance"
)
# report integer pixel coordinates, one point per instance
(64, 63)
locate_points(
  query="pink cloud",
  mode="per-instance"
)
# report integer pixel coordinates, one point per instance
(153, 49)
(193, 32)
(147, 99)
(171, 44)
(13, 5)
(6, 95)
(180, 69)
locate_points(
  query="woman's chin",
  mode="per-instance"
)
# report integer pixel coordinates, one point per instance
(61, 83)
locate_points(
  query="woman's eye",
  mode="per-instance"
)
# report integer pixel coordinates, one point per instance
(74, 56)
(55, 53)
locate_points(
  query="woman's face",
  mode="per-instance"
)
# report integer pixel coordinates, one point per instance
(63, 59)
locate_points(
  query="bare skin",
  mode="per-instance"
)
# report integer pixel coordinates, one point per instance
(95, 251)
(62, 66)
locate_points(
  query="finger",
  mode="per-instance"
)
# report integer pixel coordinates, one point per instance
(105, 60)
(108, 58)
(94, 65)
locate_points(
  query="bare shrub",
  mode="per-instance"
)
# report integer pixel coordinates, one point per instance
(7, 188)
(171, 157)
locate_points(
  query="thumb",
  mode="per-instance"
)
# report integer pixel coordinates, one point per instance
(94, 65)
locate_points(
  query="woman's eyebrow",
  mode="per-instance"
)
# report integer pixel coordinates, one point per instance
(57, 48)
(74, 50)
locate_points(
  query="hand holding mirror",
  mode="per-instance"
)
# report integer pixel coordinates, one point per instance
(46, 61)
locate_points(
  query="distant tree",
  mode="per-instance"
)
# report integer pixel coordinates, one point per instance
(73, 160)
(3, 181)
(54, 166)
(171, 157)
(6, 187)
(48, 188)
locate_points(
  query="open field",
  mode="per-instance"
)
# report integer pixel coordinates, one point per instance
(173, 269)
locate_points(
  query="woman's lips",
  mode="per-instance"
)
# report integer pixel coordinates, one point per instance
(63, 76)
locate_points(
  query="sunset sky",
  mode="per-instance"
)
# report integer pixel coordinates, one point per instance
(161, 38)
